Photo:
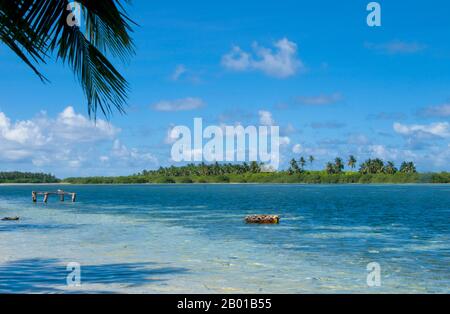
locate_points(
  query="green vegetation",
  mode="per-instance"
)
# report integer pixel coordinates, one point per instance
(313, 177)
(443, 177)
(27, 177)
(370, 171)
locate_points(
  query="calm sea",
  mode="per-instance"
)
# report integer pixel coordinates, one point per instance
(192, 239)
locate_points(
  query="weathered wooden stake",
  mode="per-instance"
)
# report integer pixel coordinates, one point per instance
(60, 193)
(45, 197)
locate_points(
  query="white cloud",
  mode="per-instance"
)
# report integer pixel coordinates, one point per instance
(178, 72)
(438, 129)
(285, 140)
(382, 152)
(396, 47)
(442, 111)
(314, 151)
(328, 125)
(237, 60)
(320, 100)
(281, 63)
(132, 156)
(265, 118)
(183, 104)
(289, 129)
(68, 143)
(20, 132)
(192, 153)
(297, 149)
(357, 139)
(387, 116)
(171, 136)
(433, 158)
(389, 153)
(43, 131)
(76, 127)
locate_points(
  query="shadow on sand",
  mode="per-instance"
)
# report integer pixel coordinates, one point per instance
(24, 227)
(49, 275)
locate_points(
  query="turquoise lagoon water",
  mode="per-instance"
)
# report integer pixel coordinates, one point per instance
(192, 239)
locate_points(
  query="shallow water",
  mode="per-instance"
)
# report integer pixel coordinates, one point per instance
(192, 239)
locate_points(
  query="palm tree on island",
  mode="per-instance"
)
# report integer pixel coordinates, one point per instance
(338, 164)
(408, 167)
(390, 168)
(302, 162)
(351, 161)
(294, 168)
(311, 160)
(329, 168)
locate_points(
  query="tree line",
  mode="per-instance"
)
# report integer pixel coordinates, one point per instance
(204, 169)
(370, 166)
(370, 171)
(27, 177)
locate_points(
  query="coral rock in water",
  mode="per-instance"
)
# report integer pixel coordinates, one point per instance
(10, 218)
(262, 219)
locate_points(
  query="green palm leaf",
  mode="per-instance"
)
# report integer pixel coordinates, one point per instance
(36, 29)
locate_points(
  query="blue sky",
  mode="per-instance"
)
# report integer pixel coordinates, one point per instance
(334, 86)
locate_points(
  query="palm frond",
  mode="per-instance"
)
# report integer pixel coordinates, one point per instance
(108, 29)
(34, 29)
(16, 33)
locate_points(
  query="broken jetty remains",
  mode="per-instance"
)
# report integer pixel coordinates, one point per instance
(59, 193)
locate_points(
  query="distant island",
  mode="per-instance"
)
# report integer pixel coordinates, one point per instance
(370, 171)
(27, 177)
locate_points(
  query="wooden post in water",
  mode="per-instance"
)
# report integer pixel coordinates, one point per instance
(62, 194)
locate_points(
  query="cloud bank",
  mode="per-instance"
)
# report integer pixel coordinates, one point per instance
(280, 63)
(396, 47)
(69, 143)
(320, 100)
(183, 104)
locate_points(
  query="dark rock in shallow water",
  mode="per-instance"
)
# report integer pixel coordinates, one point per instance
(10, 218)
(262, 219)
